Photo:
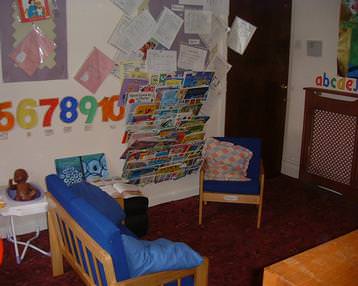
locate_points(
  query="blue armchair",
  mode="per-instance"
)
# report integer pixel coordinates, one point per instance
(237, 192)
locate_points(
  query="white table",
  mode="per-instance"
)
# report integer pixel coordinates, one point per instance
(14, 209)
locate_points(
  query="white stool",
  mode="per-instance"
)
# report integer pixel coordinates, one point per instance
(18, 208)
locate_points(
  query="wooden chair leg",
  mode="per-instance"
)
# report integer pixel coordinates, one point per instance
(201, 189)
(201, 277)
(56, 256)
(259, 214)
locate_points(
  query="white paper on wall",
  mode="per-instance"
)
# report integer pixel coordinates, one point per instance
(168, 27)
(216, 35)
(221, 68)
(128, 6)
(161, 61)
(210, 104)
(240, 35)
(197, 21)
(114, 39)
(191, 58)
(192, 2)
(134, 35)
(218, 7)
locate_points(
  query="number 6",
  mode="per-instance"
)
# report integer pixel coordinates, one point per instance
(10, 120)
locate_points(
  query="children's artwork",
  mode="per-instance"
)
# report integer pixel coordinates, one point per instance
(94, 70)
(33, 10)
(347, 52)
(94, 166)
(69, 170)
(12, 32)
(240, 35)
(87, 167)
(32, 51)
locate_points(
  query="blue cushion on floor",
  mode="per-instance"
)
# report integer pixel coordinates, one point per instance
(100, 200)
(233, 187)
(144, 257)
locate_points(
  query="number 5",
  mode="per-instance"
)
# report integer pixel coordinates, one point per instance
(9, 118)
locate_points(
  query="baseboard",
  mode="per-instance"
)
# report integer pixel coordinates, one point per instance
(290, 168)
(172, 190)
(164, 197)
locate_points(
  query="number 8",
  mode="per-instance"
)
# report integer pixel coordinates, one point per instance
(71, 109)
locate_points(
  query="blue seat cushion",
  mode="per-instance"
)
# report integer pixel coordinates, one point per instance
(145, 257)
(233, 187)
(100, 200)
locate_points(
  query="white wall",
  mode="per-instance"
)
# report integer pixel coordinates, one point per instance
(88, 25)
(311, 20)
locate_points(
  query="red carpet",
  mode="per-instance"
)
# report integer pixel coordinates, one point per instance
(295, 218)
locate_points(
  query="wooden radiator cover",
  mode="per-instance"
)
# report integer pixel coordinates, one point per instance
(329, 140)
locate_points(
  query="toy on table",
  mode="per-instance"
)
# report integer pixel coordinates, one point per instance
(24, 191)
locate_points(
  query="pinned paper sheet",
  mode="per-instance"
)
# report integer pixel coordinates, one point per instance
(197, 21)
(168, 27)
(218, 7)
(94, 70)
(192, 2)
(240, 35)
(191, 58)
(134, 35)
(161, 61)
(217, 35)
(32, 51)
(114, 40)
(221, 68)
(128, 6)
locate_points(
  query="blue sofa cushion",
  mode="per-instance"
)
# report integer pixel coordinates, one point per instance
(100, 200)
(233, 187)
(103, 231)
(97, 225)
(144, 257)
(60, 190)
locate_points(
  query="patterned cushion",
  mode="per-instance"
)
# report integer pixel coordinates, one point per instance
(226, 161)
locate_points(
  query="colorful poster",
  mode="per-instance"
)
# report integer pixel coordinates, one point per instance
(94, 166)
(69, 170)
(12, 31)
(89, 167)
(94, 70)
(347, 54)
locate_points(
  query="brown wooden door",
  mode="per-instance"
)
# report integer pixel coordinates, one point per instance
(257, 82)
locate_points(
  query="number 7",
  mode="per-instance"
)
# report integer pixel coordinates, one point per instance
(52, 102)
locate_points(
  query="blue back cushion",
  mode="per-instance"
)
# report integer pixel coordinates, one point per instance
(97, 225)
(100, 200)
(254, 145)
(59, 190)
(144, 257)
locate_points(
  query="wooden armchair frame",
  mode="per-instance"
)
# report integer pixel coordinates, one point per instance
(60, 224)
(238, 198)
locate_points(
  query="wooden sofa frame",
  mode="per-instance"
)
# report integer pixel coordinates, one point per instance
(60, 223)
